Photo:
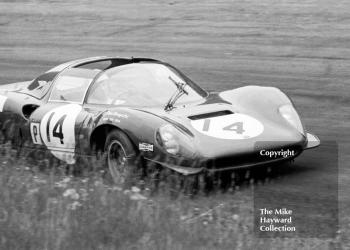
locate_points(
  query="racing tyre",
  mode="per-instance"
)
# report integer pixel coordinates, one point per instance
(122, 161)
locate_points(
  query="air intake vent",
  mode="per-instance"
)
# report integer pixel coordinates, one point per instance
(28, 109)
(209, 115)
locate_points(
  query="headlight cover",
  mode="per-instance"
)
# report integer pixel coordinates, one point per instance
(174, 141)
(289, 113)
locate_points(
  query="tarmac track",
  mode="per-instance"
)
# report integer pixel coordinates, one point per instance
(301, 47)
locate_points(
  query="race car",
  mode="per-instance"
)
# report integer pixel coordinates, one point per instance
(140, 108)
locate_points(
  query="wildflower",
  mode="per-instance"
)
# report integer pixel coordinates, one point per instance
(84, 193)
(116, 188)
(60, 185)
(63, 183)
(40, 181)
(98, 183)
(137, 197)
(135, 189)
(66, 180)
(74, 205)
(210, 216)
(33, 191)
(196, 211)
(184, 217)
(71, 193)
(235, 216)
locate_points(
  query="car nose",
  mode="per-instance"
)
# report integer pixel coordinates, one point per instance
(272, 136)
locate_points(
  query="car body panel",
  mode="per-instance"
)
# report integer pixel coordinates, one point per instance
(226, 129)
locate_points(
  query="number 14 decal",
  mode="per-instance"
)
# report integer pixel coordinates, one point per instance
(57, 129)
(236, 127)
(56, 132)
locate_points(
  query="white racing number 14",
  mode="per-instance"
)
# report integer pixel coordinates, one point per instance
(57, 131)
(236, 127)
(233, 126)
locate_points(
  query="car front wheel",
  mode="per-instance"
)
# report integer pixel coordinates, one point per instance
(122, 160)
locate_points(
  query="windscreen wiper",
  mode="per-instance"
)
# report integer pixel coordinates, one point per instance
(180, 90)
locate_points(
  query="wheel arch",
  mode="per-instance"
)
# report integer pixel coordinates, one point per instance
(99, 135)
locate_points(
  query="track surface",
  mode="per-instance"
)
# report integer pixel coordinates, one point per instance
(301, 47)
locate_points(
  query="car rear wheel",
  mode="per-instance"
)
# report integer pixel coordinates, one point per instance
(122, 161)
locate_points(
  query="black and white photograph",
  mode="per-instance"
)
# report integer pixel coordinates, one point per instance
(174, 125)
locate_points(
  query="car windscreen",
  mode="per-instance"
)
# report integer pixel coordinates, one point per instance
(72, 84)
(140, 84)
